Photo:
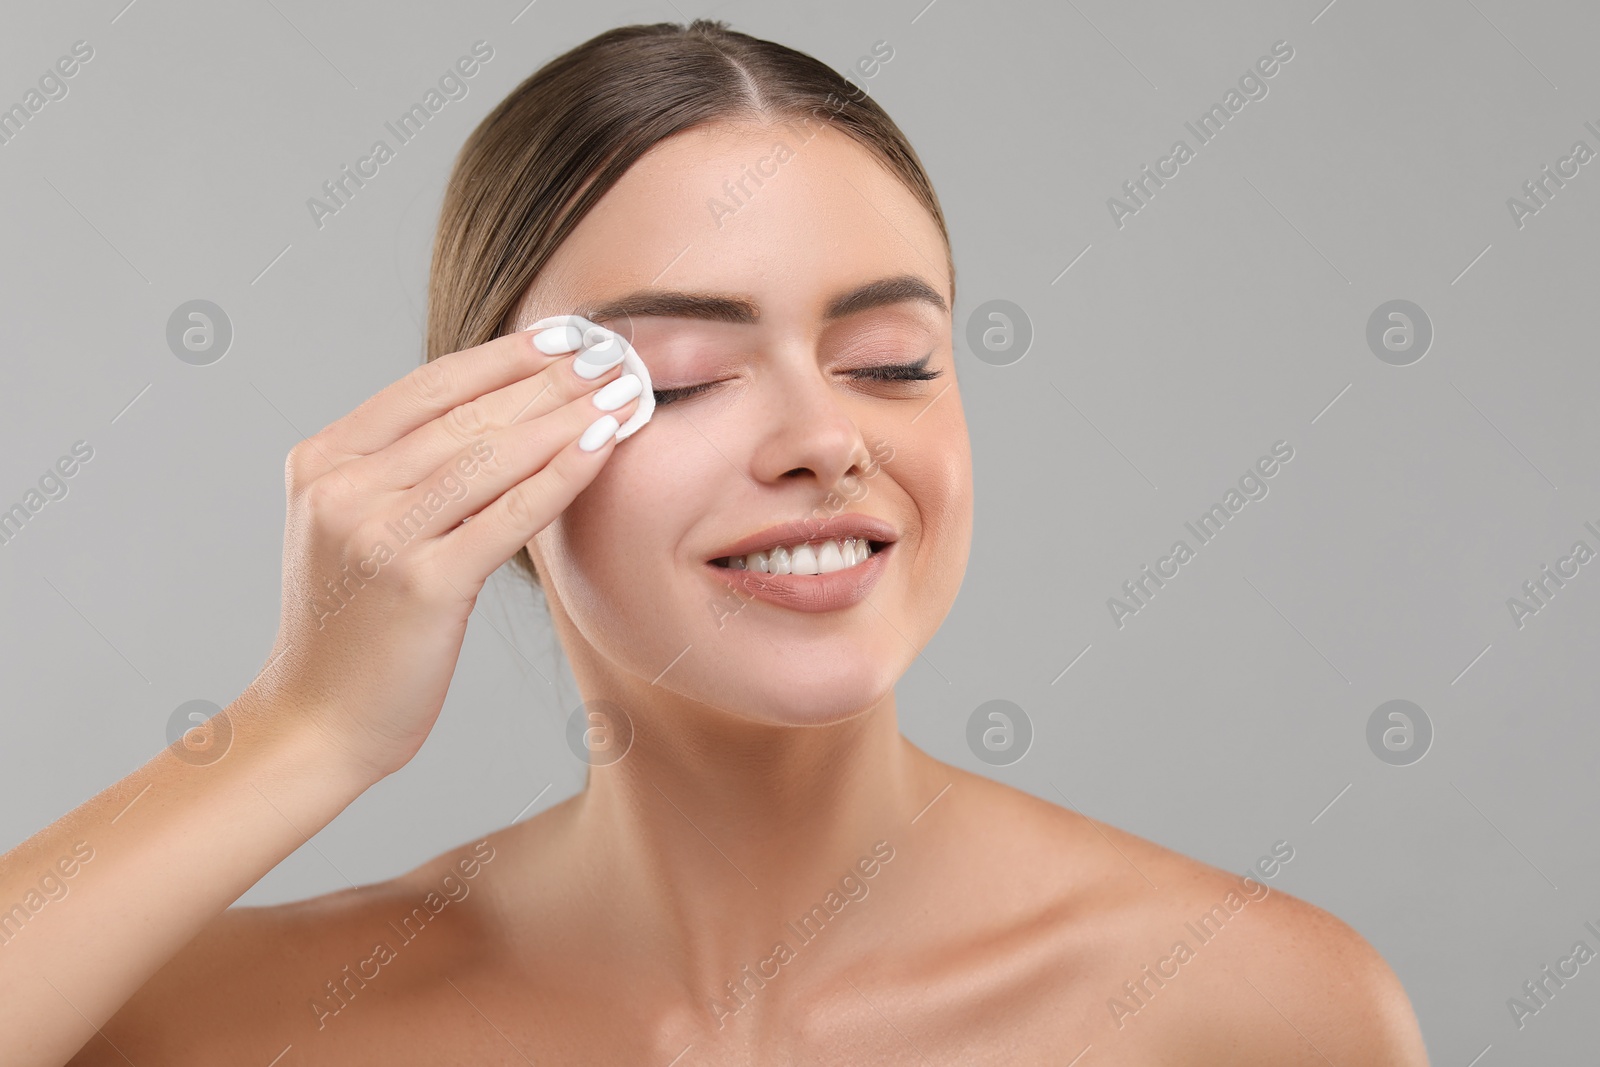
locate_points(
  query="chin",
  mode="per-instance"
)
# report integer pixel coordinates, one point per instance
(794, 696)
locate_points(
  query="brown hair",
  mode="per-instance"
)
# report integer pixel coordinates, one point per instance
(537, 163)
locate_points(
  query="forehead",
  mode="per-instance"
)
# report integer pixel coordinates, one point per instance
(790, 214)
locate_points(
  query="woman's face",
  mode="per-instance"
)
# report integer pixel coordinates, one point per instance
(785, 220)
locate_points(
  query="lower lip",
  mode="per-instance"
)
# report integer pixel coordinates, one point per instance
(810, 592)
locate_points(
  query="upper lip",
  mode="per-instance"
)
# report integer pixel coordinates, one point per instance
(805, 530)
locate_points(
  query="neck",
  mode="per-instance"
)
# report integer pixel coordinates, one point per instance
(714, 837)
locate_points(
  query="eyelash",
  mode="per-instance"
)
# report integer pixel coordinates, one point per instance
(895, 372)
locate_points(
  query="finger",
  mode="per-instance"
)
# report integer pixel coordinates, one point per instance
(475, 549)
(477, 475)
(441, 384)
(413, 458)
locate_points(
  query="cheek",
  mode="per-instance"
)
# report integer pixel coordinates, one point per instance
(623, 529)
(935, 469)
(589, 543)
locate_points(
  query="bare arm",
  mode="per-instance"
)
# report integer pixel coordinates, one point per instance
(153, 859)
(371, 630)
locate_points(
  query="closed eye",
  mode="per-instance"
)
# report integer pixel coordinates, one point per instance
(667, 396)
(895, 372)
(902, 372)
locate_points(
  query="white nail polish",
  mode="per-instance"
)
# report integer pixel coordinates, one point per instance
(631, 363)
(558, 339)
(599, 431)
(613, 395)
(604, 352)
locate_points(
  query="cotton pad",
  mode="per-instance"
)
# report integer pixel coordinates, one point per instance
(593, 337)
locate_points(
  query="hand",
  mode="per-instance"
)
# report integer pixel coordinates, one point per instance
(381, 569)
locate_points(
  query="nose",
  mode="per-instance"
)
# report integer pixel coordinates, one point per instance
(809, 430)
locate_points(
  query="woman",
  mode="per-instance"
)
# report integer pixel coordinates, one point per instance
(761, 869)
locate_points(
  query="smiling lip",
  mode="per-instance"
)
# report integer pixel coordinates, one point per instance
(811, 592)
(806, 530)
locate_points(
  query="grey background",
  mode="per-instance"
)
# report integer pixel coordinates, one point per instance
(1228, 314)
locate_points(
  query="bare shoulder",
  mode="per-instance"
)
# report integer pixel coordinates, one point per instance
(1296, 985)
(1188, 963)
(321, 974)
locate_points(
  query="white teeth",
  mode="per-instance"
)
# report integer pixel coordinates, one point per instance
(818, 557)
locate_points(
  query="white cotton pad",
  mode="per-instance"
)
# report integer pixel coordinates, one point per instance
(594, 336)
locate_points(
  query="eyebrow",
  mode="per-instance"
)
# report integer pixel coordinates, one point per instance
(734, 308)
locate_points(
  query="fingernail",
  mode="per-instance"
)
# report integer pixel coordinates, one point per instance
(599, 432)
(615, 394)
(599, 357)
(558, 339)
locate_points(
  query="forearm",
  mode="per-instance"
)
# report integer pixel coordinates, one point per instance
(168, 849)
